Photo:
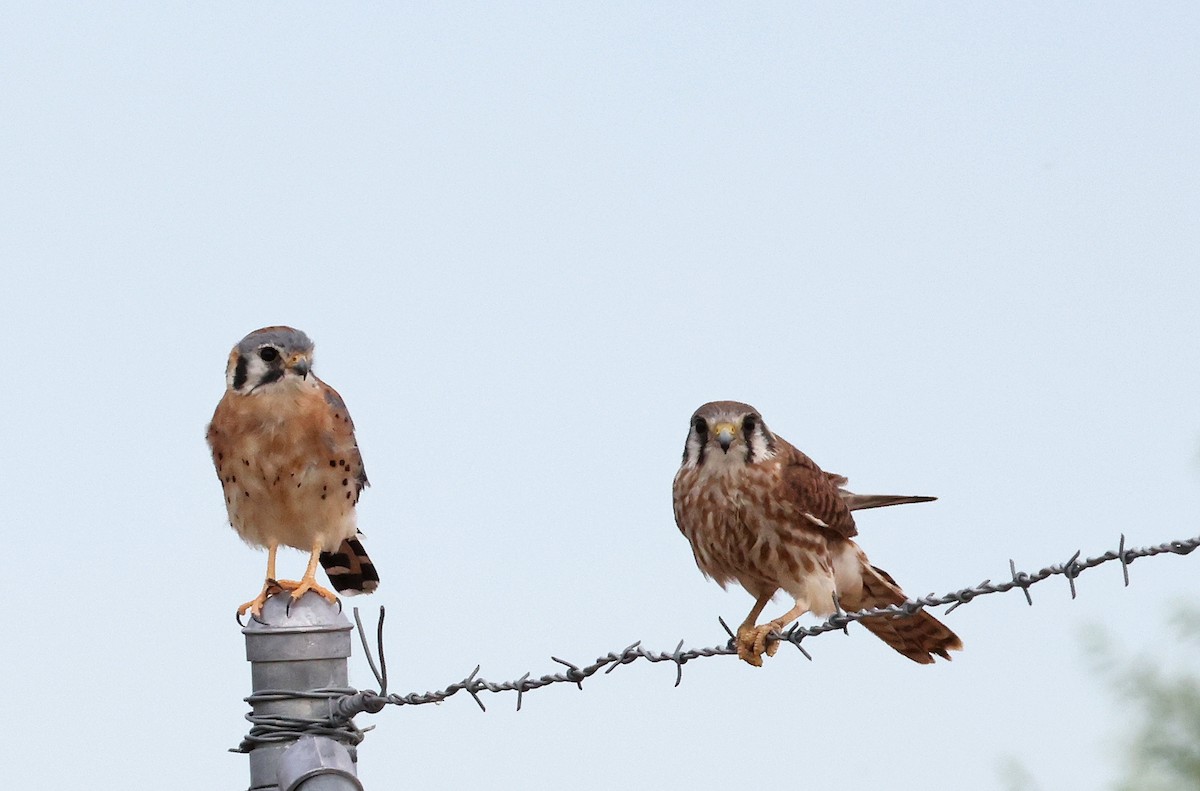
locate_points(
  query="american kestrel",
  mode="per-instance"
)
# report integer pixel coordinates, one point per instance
(760, 513)
(283, 444)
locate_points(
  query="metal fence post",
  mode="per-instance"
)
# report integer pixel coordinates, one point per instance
(298, 742)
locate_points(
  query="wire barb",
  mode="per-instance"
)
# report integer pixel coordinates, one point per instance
(1071, 570)
(1124, 560)
(679, 660)
(839, 614)
(350, 702)
(521, 689)
(574, 674)
(790, 636)
(1020, 580)
(468, 684)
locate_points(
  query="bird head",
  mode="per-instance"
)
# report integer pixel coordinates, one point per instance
(725, 434)
(268, 357)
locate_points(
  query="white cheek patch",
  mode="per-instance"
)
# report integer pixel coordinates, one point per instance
(255, 368)
(692, 454)
(258, 370)
(759, 447)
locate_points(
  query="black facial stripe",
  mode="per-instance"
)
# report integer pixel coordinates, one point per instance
(273, 375)
(701, 429)
(748, 425)
(239, 373)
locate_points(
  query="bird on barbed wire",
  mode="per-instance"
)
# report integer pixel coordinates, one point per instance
(760, 513)
(284, 448)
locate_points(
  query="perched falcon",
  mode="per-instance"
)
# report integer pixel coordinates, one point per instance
(283, 444)
(760, 513)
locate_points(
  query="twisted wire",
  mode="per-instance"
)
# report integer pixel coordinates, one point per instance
(269, 729)
(345, 703)
(473, 684)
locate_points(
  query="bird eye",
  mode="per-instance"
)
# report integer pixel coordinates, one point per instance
(700, 425)
(268, 354)
(749, 423)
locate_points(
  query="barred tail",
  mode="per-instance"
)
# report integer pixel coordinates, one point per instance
(350, 570)
(918, 636)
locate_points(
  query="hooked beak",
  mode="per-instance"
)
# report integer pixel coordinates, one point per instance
(301, 365)
(725, 433)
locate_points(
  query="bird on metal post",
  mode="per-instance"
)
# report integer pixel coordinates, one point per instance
(760, 513)
(284, 448)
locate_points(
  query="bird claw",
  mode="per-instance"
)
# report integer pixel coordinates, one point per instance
(238, 617)
(298, 589)
(304, 586)
(752, 642)
(255, 605)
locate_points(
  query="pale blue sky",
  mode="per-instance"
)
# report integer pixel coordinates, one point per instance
(945, 249)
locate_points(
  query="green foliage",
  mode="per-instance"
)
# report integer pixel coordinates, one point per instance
(1163, 712)
(1015, 777)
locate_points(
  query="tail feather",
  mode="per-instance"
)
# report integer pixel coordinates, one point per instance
(860, 502)
(918, 636)
(350, 570)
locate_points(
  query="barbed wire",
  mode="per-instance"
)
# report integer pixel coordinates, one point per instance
(345, 703)
(473, 684)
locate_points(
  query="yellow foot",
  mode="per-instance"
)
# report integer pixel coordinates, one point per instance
(752, 642)
(305, 585)
(269, 589)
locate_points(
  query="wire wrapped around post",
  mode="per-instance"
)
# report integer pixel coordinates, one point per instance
(299, 738)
